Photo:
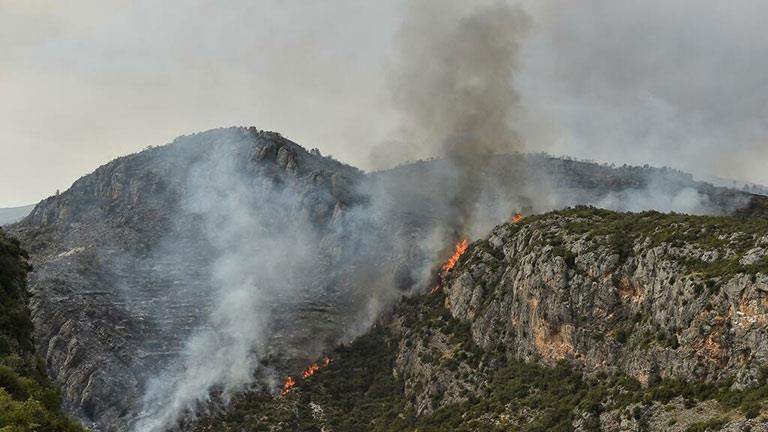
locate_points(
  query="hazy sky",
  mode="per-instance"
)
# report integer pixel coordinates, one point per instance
(680, 83)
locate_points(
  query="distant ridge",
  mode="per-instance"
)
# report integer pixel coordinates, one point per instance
(14, 214)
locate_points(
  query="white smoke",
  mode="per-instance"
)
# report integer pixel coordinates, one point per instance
(264, 246)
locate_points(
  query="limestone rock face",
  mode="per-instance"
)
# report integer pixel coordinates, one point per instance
(546, 292)
(643, 298)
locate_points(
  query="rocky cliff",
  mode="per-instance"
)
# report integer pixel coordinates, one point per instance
(127, 260)
(581, 319)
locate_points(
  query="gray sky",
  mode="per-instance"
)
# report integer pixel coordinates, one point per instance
(680, 83)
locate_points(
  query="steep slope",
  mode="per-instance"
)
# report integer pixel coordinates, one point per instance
(123, 267)
(581, 319)
(28, 399)
(137, 258)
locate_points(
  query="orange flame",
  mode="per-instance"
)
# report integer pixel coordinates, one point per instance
(458, 251)
(289, 384)
(517, 218)
(314, 367)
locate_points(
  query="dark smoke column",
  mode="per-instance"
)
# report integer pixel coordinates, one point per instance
(453, 86)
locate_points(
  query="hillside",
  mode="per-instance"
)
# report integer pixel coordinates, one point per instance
(124, 259)
(28, 399)
(238, 228)
(580, 319)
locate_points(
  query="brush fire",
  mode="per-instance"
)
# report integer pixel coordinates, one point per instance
(517, 218)
(312, 369)
(289, 384)
(458, 251)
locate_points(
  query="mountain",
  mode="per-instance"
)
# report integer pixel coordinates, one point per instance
(122, 265)
(14, 214)
(28, 399)
(580, 319)
(239, 245)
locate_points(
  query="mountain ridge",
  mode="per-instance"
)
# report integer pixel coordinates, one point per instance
(123, 258)
(11, 215)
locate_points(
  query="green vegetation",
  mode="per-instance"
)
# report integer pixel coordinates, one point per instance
(621, 231)
(707, 426)
(28, 400)
(362, 389)
(360, 392)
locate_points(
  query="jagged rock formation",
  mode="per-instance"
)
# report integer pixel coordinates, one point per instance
(122, 265)
(690, 297)
(577, 320)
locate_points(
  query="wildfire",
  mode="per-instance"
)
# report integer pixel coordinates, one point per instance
(314, 367)
(517, 218)
(290, 383)
(458, 251)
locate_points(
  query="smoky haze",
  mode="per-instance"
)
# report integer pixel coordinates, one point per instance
(269, 254)
(677, 83)
(453, 84)
(452, 80)
(262, 245)
(465, 81)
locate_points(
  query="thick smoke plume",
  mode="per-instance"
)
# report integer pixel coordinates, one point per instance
(273, 264)
(264, 249)
(453, 85)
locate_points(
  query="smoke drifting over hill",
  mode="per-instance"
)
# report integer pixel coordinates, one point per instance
(305, 252)
(452, 81)
(274, 256)
(642, 82)
(264, 251)
(267, 249)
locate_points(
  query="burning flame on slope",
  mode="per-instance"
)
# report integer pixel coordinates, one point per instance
(290, 383)
(458, 251)
(314, 367)
(517, 218)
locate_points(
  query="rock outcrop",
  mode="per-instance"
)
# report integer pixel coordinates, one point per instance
(123, 259)
(582, 319)
(655, 297)
(652, 295)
